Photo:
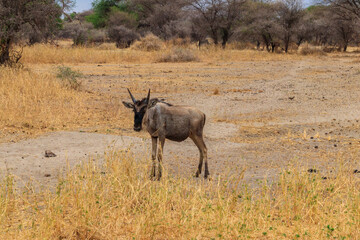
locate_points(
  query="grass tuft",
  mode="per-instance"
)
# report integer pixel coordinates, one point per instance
(69, 77)
(148, 43)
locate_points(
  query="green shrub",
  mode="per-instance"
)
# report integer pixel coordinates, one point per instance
(69, 77)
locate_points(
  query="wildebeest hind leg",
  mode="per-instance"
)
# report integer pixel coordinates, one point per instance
(199, 142)
(153, 157)
(160, 156)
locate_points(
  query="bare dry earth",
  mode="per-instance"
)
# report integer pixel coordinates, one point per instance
(268, 114)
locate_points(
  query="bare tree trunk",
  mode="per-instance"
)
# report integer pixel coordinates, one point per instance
(225, 38)
(4, 51)
(266, 41)
(298, 43)
(286, 43)
(214, 35)
(273, 45)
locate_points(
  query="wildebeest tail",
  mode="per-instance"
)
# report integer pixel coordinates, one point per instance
(204, 119)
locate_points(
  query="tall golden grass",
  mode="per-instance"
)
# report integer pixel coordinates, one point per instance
(117, 200)
(32, 103)
(48, 54)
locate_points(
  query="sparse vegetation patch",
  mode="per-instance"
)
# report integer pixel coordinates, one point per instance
(69, 77)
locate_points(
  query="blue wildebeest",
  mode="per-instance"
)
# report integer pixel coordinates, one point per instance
(165, 121)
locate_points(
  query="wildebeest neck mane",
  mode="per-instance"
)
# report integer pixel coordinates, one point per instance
(154, 101)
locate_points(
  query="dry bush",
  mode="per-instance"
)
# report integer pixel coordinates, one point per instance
(122, 36)
(118, 201)
(106, 46)
(180, 42)
(331, 49)
(97, 36)
(312, 51)
(178, 55)
(148, 43)
(240, 45)
(77, 31)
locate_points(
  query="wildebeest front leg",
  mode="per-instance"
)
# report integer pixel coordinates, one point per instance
(160, 155)
(153, 156)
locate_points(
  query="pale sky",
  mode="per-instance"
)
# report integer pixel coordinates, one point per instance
(82, 5)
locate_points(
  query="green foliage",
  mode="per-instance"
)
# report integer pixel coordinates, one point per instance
(101, 10)
(104, 8)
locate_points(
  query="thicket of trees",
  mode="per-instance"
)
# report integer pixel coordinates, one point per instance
(268, 24)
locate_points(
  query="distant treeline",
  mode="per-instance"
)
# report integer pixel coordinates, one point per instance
(266, 24)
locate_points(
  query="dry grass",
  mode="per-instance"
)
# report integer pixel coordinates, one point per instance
(312, 51)
(33, 103)
(118, 201)
(149, 43)
(178, 55)
(144, 53)
(47, 54)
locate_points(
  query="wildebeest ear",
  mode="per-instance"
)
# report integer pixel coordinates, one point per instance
(128, 105)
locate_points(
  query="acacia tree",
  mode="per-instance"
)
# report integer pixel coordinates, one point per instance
(349, 7)
(289, 13)
(260, 25)
(317, 19)
(220, 17)
(304, 30)
(164, 18)
(16, 15)
(121, 28)
(344, 26)
(101, 11)
(66, 5)
(209, 15)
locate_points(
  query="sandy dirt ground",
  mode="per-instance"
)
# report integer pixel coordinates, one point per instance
(261, 117)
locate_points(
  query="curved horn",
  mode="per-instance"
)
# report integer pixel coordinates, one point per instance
(148, 97)
(132, 97)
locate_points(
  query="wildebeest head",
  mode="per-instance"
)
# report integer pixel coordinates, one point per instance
(139, 108)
